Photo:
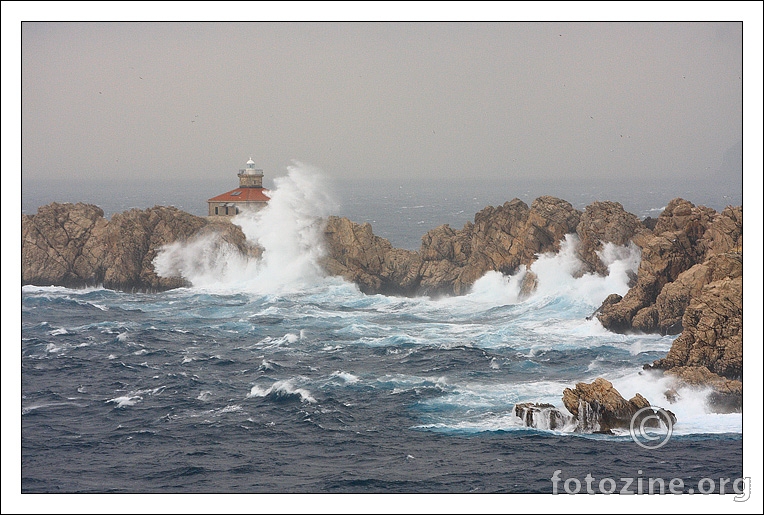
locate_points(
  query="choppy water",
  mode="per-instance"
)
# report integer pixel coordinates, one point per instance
(269, 377)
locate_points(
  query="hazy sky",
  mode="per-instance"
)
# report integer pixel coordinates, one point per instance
(425, 100)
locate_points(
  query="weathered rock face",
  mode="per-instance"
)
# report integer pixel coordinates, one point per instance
(684, 236)
(713, 335)
(671, 303)
(450, 261)
(604, 222)
(356, 254)
(73, 245)
(54, 248)
(599, 407)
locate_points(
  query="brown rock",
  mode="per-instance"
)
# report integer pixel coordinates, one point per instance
(73, 245)
(54, 247)
(674, 298)
(727, 394)
(355, 253)
(500, 239)
(599, 407)
(725, 232)
(450, 261)
(684, 236)
(713, 331)
(600, 223)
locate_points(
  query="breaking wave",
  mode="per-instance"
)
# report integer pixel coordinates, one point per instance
(289, 229)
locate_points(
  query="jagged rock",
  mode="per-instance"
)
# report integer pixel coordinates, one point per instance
(725, 233)
(355, 253)
(500, 239)
(599, 407)
(684, 236)
(600, 223)
(682, 215)
(54, 248)
(450, 261)
(713, 331)
(73, 245)
(670, 305)
(650, 223)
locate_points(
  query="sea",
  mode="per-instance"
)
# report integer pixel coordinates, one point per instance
(267, 376)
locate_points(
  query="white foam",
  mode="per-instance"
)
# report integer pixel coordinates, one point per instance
(556, 273)
(346, 376)
(557, 282)
(289, 229)
(690, 407)
(284, 388)
(126, 400)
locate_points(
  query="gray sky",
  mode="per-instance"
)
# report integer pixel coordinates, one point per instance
(423, 100)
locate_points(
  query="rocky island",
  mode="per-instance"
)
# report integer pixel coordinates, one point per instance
(689, 280)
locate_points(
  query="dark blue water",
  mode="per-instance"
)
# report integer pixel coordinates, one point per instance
(329, 392)
(270, 377)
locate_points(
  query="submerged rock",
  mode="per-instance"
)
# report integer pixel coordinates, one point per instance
(593, 408)
(542, 416)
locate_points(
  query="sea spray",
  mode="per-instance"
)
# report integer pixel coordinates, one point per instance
(205, 261)
(289, 229)
(559, 276)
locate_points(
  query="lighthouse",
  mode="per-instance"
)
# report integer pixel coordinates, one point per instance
(250, 195)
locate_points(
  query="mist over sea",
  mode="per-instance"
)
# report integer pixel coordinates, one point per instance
(267, 376)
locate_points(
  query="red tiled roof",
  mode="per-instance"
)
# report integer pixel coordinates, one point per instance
(244, 195)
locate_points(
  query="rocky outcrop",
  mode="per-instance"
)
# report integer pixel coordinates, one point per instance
(713, 334)
(54, 249)
(601, 223)
(73, 245)
(500, 239)
(599, 407)
(684, 236)
(670, 305)
(371, 262)
(596, 407)
(450, 261)
(690, 282)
